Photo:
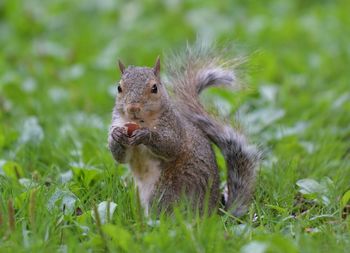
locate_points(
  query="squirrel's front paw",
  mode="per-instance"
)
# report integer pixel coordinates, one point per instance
(140, 136)
(119, 135)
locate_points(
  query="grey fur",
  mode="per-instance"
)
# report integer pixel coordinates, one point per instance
(194, 71)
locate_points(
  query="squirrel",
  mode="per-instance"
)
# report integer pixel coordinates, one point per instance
(170, 152)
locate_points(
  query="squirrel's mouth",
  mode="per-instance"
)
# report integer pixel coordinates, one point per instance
(135, 119)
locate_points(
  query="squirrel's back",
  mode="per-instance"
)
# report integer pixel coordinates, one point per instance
(191, 72)
(193, 174)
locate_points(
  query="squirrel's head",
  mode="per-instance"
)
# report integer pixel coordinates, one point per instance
(141, 96)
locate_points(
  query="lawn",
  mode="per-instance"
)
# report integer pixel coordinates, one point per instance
(58, 79)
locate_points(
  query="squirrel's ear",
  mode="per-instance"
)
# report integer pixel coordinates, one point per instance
(121, 67)
(156, 68)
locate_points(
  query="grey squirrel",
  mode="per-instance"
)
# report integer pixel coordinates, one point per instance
(169, 151)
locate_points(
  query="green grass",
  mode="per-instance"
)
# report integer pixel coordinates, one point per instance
(57, 76)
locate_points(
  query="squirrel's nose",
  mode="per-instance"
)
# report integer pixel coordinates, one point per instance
(133, 108)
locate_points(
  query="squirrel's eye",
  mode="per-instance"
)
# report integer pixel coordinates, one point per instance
(119, 89)
(154, 88)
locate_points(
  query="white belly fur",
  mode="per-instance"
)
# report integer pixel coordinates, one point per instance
(144, 166)
(146, 172)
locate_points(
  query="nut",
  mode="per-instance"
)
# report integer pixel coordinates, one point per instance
(131, 127)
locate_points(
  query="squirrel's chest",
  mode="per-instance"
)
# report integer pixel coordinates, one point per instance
(146, 172)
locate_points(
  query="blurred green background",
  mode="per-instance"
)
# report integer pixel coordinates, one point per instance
(57, 86)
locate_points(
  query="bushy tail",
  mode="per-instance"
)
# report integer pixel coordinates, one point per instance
(198, 68)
